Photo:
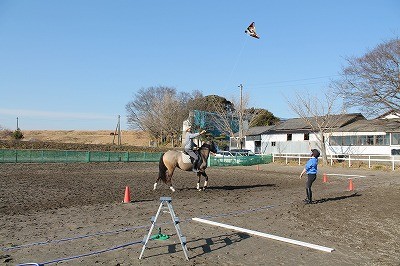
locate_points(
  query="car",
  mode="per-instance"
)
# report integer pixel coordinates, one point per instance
(233, 157)
(243, 152)
(224, 154)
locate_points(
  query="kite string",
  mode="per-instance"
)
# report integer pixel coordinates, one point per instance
(237, 61)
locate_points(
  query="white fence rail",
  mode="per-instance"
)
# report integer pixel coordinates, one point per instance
(394, 161)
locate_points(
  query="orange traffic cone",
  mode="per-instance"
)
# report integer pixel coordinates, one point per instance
(351, 187)
(325, 178)
(127, 198)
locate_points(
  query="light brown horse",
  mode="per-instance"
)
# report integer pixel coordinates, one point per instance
(173, 159)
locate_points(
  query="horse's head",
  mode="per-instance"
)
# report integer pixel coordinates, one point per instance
(210, 145)
(213, 148)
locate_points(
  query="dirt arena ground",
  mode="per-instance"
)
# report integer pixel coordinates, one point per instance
(72, 214)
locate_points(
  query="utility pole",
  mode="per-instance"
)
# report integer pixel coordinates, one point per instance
(118, 132)
(17, 124)
(241, 117)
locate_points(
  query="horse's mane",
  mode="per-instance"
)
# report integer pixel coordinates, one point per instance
(208, 145)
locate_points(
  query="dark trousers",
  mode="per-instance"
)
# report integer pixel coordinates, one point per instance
(310, 180)
(192, 154)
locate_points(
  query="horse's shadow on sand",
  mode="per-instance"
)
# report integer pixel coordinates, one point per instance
(336, 198)
(206, 245)
(239, 187)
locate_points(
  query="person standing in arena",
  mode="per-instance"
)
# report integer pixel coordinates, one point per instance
(311, 168)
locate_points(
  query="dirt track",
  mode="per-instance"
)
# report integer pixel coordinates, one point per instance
(52, 212)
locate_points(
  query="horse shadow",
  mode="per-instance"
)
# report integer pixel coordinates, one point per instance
(336, 198)
(239, 187)
(206, 245)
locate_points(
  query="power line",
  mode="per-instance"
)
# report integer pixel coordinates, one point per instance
(294, 80)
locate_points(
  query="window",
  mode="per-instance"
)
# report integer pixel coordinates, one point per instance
(395, 138)
(289, 137)
(365, 140)
(273, 144)
(381, 140)
(346, 140)
(362, 140)
(306, 136)
(335, 141)
(369, 140)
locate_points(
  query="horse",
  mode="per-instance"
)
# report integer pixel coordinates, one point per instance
(173, 159)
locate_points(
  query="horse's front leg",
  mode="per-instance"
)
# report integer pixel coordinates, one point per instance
(199, 174)
(198, 182)
(205, 181)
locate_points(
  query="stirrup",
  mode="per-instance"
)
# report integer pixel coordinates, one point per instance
(195, 170)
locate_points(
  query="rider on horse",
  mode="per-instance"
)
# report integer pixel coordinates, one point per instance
(189, 145)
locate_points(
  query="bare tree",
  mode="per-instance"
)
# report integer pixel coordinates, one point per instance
(372, 81)
(160, 111)
(234, 117)
(319, 114)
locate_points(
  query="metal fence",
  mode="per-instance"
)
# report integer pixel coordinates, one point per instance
(349, 159)
(68, 156)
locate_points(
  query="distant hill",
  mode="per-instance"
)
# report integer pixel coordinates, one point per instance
(79, 140)
(130, 138)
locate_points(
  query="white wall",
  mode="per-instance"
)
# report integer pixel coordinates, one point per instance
(299, 145)
(249, 145)
(296, 145)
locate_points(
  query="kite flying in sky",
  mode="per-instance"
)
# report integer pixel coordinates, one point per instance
(251, 30)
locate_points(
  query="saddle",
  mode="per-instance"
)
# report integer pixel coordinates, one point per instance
(186, 158)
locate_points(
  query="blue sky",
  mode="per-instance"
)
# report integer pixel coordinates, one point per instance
(74, 65)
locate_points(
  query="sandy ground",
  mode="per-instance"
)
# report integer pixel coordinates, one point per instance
(72, 214)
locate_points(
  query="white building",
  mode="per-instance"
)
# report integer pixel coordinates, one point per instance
(344, 134)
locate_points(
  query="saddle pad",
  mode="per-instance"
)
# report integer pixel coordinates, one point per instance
(186, 158)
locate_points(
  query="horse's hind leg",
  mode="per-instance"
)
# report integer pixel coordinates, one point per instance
(168, 179)
(155, 184)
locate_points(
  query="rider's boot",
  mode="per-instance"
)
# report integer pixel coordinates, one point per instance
(194, 169)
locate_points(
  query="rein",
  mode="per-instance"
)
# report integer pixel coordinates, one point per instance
(206, 146)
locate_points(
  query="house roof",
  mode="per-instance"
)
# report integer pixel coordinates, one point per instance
(374, 125)
(333, 121)
(253, 131)
(390, 114)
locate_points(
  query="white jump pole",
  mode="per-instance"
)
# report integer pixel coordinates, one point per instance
(251, 232)
(354, 176)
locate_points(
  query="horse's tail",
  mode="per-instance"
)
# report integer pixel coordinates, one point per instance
(162, 173)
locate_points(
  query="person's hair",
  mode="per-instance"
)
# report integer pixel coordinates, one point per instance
(315, 153)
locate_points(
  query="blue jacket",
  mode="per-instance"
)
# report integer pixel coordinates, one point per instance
(312, 166)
